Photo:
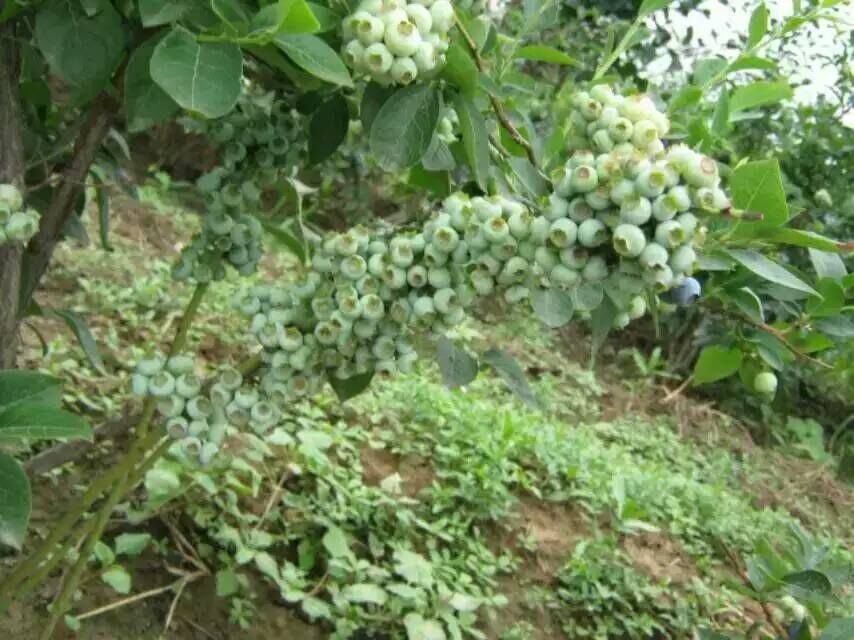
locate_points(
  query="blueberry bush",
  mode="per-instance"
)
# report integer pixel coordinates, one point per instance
(531, 176)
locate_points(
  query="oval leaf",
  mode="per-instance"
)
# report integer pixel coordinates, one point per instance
(15, 502)
(758, 187)
(716, 363)
(475, 138)
(350, 387)
(33, 422)
(18, 386)
(201, 77)
(457, 366)
(543, 53)
(554, 308)
(315, 56)
(508, 369)
(759, 94)
(770, 270)
(403, 128)
(328, 128)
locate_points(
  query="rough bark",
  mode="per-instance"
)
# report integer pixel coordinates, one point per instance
(11, 171)
(40, 249)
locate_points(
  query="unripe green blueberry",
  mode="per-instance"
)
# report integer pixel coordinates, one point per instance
(442, 13)
(621, 320)
(546, 259)
(592, 233)
(401, 253)
(584, 178)
(177, 427)
(170, 406)
(445, 239)
(663, 208)
(495, 229)
(426, 59)
(670, 234)
(563, 276)
(595, 270)
(659, 276)
(654, 255)
(574, 257)
(423, 307)
(199, 408)
(445, 300)
(598, 199)
(602, 141)
(401, 36)
(482, 282)
(580, 210)
(644, 134)
(21, 226)
(637, 307)
(433, 257)
(701, 171)
(557, 207)
(516, 269)
(591, 109)
(369, 29)
(636, 210)
(403, 70)
(230, 378)
(540, 229)
(150, 366)
(188, 385)
(651, 182)
(629, 240)
(635, 164)
(622, 190)
(416, 276)
(765, 383)
(377, 58)
(563, 233)
(198, 428)
(395, 277)
(621, 130)
(438, 277)
(220, 396)
(689, 223)
(353, 267)
(161, 384)
(683, 259)
(520, 223)
(526, 250)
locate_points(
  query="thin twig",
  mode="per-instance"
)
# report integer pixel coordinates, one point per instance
(496, 105)
(126, 601)
(273, 498)
(670, 397)
(199, 628)
(174, 605)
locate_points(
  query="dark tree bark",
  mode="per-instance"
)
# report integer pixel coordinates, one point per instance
(40, 249)
(11, 171)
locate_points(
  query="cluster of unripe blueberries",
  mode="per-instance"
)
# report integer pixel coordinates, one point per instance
(395, 42)
(258, 143)
(17, 224)
(198, 415)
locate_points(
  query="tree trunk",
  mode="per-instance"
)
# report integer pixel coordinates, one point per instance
(11, 171)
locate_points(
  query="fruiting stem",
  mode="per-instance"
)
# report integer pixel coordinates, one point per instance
(126, 478)
(496, 105)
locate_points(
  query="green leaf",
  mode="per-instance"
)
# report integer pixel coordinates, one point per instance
(419, 628)
(437, 183)
(328, 128)
(752, 62)
(157, 12)
(554, 308)
(651, 6)
(373, 98)
(315, 56)
(839, 629)
(19, 386)
(131, 544)
(227, 583)
(288, 240)
(801, 238)
(475, 138)
(827, 265)
(749, 303)
(601, 324)
(720, 118)
(118, 578)
(202, 77)
(438, 156)
(809, 582)
(83, 50)
(759, 94)
(530, 177)
(403, 129)
(543, 53)
(758, 187)
(457, 366)
(831, 301)
(706, 69)
(716, 363)
(336, 542)
(460, 69)
(80, 329)
(102, 197)
(588, 296)
(104, 554)
(232, 13)
(145, 103)
(15, 502)
(365, 593)
(350, 387)
(687, 97)
(327, 18)
(770, 270)
(514, 377)
(299, 18)
(33, 422)
(758, 26)
(838, 327)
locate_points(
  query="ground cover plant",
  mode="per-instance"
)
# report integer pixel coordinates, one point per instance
(359, 192)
